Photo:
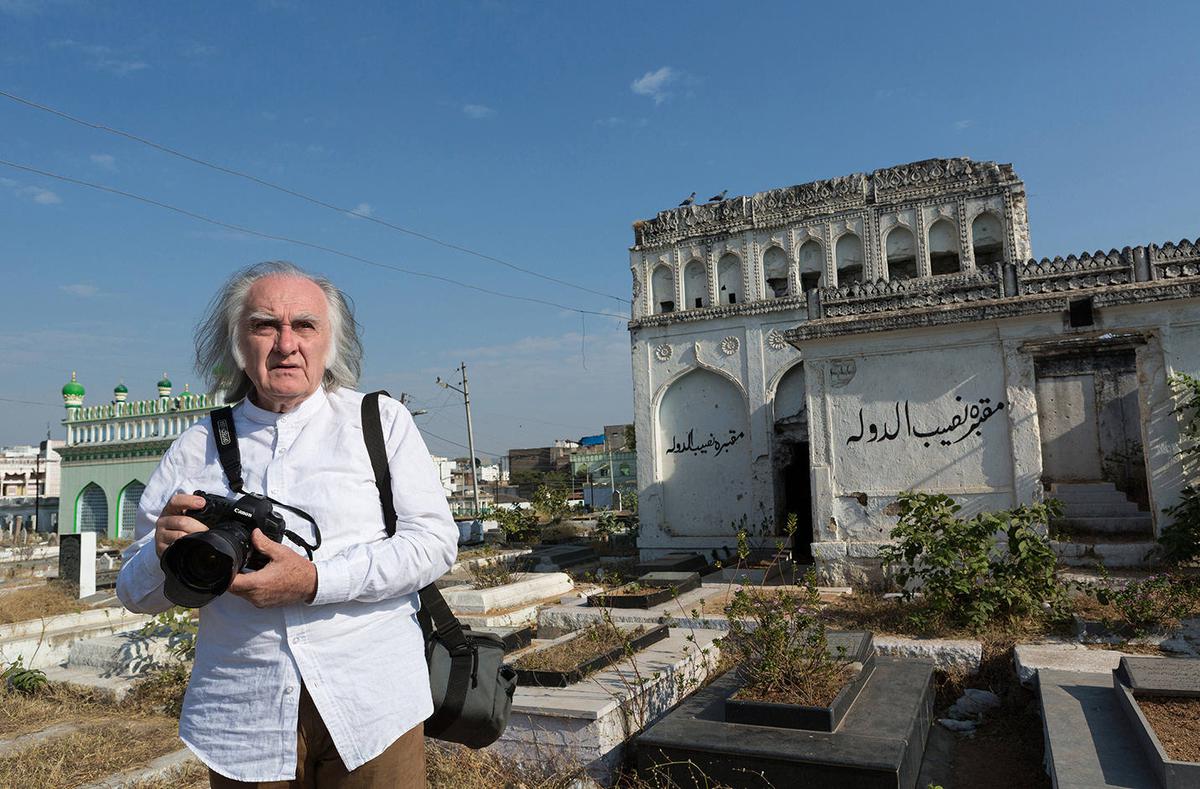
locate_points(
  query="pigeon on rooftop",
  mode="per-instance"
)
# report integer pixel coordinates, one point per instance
(688, 200)
(718, 198)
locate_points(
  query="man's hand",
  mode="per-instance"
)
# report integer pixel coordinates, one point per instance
(287, 578)
(173, 524)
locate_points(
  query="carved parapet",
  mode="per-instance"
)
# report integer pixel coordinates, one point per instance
(1171, 260)
(890, 185)
(891, 295)
(1093, 270)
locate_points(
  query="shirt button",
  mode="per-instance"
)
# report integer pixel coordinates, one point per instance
(288, 690)
(296, 639)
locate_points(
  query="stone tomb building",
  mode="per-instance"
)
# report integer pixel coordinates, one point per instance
(820, 348)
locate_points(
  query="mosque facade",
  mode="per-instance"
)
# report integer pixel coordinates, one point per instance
(112, 449)
(817, 349)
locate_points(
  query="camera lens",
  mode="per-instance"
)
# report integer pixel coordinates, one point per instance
(200, 566)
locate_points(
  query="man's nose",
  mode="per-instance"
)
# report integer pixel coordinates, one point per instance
(285, 341)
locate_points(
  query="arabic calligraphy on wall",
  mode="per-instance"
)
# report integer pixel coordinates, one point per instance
(958, 428)
(713, 443)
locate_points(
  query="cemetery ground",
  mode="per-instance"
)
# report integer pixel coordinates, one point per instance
(989, 641)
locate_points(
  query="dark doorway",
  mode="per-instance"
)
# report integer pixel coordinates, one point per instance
(797, 499)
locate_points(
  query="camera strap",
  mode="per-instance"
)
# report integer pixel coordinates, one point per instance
(225, 434)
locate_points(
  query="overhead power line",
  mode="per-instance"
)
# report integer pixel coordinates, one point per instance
(28, 402)
(296, 241)
(299, 195)
(455, 443)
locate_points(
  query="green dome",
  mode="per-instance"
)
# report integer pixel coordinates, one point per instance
(73, 388)
(120, 389)
(165, 383)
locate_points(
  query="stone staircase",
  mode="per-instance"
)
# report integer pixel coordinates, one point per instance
(1100, 525)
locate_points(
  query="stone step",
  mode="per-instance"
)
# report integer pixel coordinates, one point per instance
(1136, 525)
(1110, 554)
(115, 687)
(1101, 509)
(1058, 488)
(127, 654)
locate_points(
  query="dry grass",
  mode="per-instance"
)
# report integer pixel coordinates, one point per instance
(88, 753)
(716, 604)
(35, 603)
(450, 766)
(20, 713)
(591, 642)
(189, 775)
(162, 691)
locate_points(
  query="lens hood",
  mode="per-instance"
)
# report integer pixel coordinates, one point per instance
(202, 565)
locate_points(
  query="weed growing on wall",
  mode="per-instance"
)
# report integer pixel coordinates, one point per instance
(963, 577)
(1180, 540)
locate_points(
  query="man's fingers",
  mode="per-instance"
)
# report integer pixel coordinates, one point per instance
(183, 502)
(267, 546)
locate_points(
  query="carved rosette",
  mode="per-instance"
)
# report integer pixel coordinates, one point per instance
(663, 352)
(730, 345)
(775, 341)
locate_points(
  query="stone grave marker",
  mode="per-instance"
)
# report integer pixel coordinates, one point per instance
(1159, 676)
(77, 562)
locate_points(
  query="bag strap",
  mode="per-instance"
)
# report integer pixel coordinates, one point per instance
(230, 455)
(435, 614)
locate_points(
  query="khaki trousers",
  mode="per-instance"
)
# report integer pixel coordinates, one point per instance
(401, 766)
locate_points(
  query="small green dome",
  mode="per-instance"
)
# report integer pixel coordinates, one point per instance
(121, 389)
(165, 383)
(73, 387)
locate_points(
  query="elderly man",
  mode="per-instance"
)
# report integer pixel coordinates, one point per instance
(307, 673)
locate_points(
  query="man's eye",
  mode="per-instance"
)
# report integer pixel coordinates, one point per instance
(305, 326)
(262, 328)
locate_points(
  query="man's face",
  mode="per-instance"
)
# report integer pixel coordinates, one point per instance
(284, 338)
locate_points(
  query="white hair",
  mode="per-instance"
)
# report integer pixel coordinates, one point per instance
(219, 356)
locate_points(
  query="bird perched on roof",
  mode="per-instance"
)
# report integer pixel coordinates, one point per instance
(718, 198)
(688, 200)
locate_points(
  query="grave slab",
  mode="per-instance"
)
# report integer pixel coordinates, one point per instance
(1063, 656)
(879, 743)
(552, 558)
(590, 721)
(1089, 742)
(946, 653)
(556, 620)
(674, 562)
(1158, 677)
(527, 588)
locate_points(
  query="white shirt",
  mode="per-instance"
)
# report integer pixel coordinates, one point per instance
(357, 647)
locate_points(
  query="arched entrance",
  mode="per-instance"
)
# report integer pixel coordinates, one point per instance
(131, 496)
(91, 510)
(793, 485)
(704, 456)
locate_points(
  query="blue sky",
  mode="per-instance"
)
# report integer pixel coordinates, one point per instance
(535, 133)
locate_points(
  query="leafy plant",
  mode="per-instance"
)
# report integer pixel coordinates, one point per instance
(963, 578)
(180, 628)
(1151, 604)
(486, 575)
(517, 524)
(1180, 540)
(780, 645)
(550, 503)
(17, 678)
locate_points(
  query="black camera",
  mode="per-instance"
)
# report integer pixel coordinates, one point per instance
(200, 566)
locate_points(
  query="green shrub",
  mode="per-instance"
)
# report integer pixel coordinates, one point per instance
(1180, 540)
(17, 678)
(963, 578)
(1151, 604)
(518, 524)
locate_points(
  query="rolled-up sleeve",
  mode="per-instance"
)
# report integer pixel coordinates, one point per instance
(426, 540)
(140, 581)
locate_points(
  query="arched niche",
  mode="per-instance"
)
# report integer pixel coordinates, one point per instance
(812, 265)
(987, 239)
(848, 255)
(704, 455)
(91, 510)
(695, 285)
(662, 289)
(943, 248)
(127, 506)
(790, 402)
(729, 279)
(901, 249)
(775, 273)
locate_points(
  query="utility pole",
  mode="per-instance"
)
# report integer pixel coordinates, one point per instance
(465, 392)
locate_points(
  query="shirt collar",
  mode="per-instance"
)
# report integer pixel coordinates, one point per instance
(297, 416)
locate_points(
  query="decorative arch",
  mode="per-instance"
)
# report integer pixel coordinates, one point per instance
(776, 273)
(127, 506)
(987, 238)
(811, 260)
(662, 286)
(900, 251)
(848, 258)
(729, 279)
(695, 284)
(943, 248)
(703, 454)
(91, 510)
(788, 395)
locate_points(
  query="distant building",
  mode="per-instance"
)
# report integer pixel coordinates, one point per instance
(597, 474)
(817, 349)
(616, 437)
(112, 449)
(445, 468)
(527, 465)
(29, 485)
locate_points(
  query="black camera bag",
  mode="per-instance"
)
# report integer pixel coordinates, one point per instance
(471, 685)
